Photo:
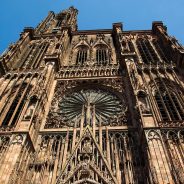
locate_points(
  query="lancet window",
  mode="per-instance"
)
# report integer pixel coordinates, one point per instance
(27, 54)
(19, 99)
(169, 105)
(33, 55)
(164, 55)
(82, 55)
(102, 55)
(146, 51)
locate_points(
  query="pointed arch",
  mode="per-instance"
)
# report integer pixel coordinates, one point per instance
(146, 51)
(168, 100)
(19, 99)
(81, 54)
(102, 54)
(86, 140)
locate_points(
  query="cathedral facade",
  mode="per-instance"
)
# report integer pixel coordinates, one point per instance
(92, 106)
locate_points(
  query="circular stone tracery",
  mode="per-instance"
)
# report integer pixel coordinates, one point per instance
(88, 102)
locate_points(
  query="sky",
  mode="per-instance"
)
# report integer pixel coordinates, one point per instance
(94, 14)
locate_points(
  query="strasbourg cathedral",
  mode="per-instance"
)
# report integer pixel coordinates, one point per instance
(92, 106)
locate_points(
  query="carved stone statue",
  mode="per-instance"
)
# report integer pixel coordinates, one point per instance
(143, 103)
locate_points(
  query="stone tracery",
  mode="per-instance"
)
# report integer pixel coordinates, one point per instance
(94, 112)
(106, 110)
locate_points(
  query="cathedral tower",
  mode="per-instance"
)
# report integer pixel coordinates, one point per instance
(92, 106)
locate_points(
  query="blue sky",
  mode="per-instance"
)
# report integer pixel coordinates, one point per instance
(93, 14)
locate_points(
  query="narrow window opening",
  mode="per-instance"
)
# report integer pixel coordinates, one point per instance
(81, 56)
(146, 51)
(14, 106)
(101, 56)
(170, 106)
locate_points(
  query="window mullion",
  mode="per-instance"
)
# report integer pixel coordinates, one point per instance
(77, 60)
(97, 57)
(26, 55)
(179, 108)
(179, 97)
(170, 98)
(106, 58)
(164, 106)
(9, 104)
(148, 50)
(158, 90)
(86, 54)
(100, 56)
(44, 48)
(80, 57)
(24, 92)
(167, 100)
(157, 46)
(102, 59)
(179, 100)
(141, 49)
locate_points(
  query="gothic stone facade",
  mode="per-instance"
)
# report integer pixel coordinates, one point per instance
(97, 106)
